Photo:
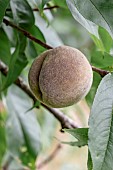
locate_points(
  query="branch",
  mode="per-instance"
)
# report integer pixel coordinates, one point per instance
(65, 121)
(48, 8)
(36, 9)
(27, 34)
(99, 71)
(50, 157)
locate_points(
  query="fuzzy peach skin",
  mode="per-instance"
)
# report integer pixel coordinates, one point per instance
(60, 77)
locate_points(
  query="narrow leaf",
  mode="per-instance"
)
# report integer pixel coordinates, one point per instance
(96, 80)
(15, 68)
(22, 13)
(101, 60)
(11, 73)
(23, 130)
(89, 162)
(3, 6)
(81, 134)
(47, 31)
(98, 43)
(30, 50)
(5, 54)
(2, 136)
(105, 38)
(101, 126)
(44, 2)
(36, 104)
(35, 31)
(18, 61)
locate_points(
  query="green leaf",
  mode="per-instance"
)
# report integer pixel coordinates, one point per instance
(12, 162)
(11, 77)
(44, 2)
(81, 134)
(60, 3)
(34, 3)
(47, 31)
(41, 4)
(11, 34)
(17, 63)
(3, 6)
(2, 137)
(36, 104)
(35, 31)
(98, 43)
(105, 38)
(5, 54)
(23, 131)
(22, 13)
(96, 80)
(104, 42)
(101, 60)
(89, 162)
(30, 50)
(98, 12)
(101, 126)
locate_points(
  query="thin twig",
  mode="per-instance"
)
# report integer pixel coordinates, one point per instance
(50, 157)
(36, 9)
(27, 34)
(47, 8)
(100, 71)
(65, 121)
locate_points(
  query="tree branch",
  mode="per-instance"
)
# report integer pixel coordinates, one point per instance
(99, 71)
(65, 121)
(36, 9)
(50, 157)
(47, 8)
(27, 34)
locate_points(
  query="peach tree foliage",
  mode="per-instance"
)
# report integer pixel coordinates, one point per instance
(20, 129)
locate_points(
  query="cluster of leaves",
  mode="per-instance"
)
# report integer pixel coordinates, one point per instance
(23, 134)
(22, 130)
(96, 18)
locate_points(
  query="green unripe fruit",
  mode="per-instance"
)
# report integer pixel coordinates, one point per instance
(60, 77)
